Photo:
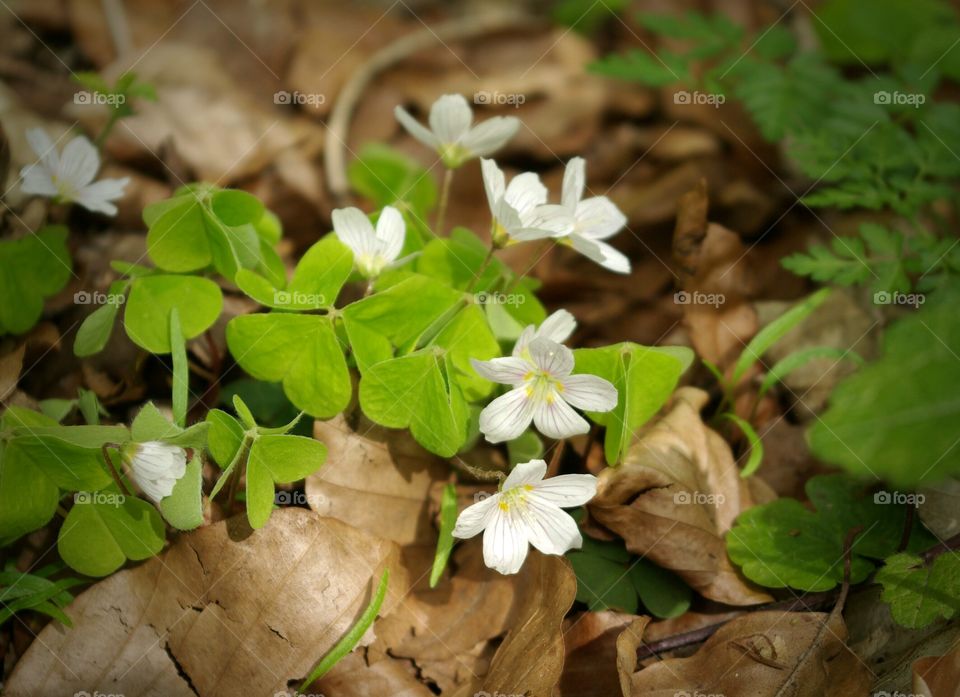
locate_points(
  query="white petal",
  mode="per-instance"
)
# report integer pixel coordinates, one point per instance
(555, 418)
(574, 179)
(549, 529)
(525, 192)
(505, 544)
(354, 230)
(602, 253)
(589, 392)
(506, 371)
(474, 518)
(506, 417)
(526, 336)
(96, 197)
(79, 162)
(41, 143)
(494, 183)
(525, 473)
(415, 128)
(489, 136)
(37, 180)
(599, 218)
(551, 357)
(391, 233)
(558, 326)
(567, 490)
(547, 220)
(450, 117)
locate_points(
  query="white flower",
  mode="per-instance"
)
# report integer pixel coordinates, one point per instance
(527, 511)
(594, 219)
(373, 250)
(557, 327)
(155, 467)
(451, 134)
(543, 391)
(519, 209)
(69, 176)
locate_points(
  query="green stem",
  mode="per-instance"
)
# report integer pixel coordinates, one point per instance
(352, 637)
(111, 122)
(483, 267)
(444, 199)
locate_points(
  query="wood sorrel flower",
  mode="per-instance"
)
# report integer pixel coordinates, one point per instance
(527, 511)
(451, 133)
(155, 467)
(593, 220)
(557, 327)
(543, 391)
(518, 209)
(68, 177)
(373, 250)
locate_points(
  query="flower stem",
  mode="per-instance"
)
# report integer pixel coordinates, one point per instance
(483, 267)
(105, 449)
(444, 199)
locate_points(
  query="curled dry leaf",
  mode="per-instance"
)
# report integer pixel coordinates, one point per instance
(224, 611)
(530, 658)
(937, 676)
(590, 667)
(716, 278)
(674, 497)
(775, 653)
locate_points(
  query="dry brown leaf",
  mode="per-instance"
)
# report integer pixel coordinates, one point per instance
(937, 676)
(196, 97)
(774, 653)
(530, 658)
(379, 480)
(590, 668)
(445, 629)
(352, 677)
(674, 497)
(224, 611)
(10, 366)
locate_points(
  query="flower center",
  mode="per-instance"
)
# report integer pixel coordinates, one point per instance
(542, 386)
(65, 189)
(370, 264)
(514, 498)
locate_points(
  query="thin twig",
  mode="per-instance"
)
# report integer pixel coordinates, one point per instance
(467, 27)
